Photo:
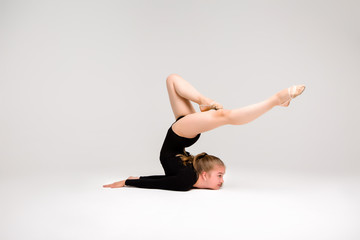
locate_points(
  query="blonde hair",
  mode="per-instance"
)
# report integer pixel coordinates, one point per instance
(202, 162)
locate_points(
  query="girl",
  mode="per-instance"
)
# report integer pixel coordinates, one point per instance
(182, 170)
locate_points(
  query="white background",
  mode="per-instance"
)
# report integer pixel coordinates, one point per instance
(83, 102)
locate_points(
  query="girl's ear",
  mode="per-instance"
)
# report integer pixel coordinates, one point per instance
(204, 175)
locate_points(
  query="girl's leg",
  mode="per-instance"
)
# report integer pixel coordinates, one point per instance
(196, 123)
(181, 93)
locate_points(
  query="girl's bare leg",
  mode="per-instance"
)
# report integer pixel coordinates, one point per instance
(196, 123)
(181, 93)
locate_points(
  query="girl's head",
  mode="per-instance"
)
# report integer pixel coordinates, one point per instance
(210, 169)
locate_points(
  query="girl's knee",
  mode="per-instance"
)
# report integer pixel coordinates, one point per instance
(222, 114)
(172, 77)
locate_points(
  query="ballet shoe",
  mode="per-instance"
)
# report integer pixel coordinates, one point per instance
(293, 92)
(214, 105)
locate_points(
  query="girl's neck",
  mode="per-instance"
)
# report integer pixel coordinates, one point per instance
(200, 183)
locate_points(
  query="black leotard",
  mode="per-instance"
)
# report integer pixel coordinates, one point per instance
(177, 176)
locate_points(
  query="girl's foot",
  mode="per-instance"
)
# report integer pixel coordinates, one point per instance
(286, 95)
(208, 104)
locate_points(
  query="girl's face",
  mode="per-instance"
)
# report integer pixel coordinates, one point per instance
(215, 177)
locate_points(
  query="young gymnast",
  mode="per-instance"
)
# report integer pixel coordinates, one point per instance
(184, 171)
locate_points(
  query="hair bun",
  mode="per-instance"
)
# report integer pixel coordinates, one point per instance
(200, 155)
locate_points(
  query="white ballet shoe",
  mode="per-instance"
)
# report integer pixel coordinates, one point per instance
(214, 105)
(293, 93)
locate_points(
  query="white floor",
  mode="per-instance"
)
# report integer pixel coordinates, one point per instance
(251, 205)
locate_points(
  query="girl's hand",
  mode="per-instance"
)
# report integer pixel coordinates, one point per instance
(115, 184)
(131, 177)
